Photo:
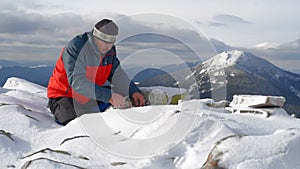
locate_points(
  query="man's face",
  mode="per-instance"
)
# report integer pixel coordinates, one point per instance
(103, 46)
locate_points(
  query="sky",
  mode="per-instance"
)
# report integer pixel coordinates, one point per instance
(32, 29)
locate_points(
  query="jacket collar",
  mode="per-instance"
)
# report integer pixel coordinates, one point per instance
(91, 41)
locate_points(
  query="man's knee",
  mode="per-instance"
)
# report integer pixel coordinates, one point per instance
(63, 110)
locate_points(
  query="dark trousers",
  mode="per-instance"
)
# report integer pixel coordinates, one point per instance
(66, 109)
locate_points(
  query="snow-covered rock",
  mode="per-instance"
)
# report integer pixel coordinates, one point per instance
(160, 95)
(257, 101)
(30, 138)
(257, 104)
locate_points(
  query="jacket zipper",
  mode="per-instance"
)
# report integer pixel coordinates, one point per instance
(67, 91)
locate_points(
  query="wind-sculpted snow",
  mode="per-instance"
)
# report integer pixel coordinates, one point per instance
(30, 138)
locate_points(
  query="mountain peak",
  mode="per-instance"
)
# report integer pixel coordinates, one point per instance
(227, 58)
(233, 55)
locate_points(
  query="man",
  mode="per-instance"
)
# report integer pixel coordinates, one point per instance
(88, 78)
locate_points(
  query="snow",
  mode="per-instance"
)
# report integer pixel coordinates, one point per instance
(191, 75)
(257, 101)
(267, 45)
(225, 59)
(20, 84)
(277, 147)
(161, 136)
(38, 66)
(297, 93)
(242, 60)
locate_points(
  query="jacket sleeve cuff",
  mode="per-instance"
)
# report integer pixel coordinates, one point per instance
(133, 88)
(103, 94)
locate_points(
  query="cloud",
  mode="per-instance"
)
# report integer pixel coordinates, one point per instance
(30, 35)
(20, 22)
(175, 36)
(199, 23)
(156, 42)
(229, 19)
(26, 35)
(285, 56)
(217, 24)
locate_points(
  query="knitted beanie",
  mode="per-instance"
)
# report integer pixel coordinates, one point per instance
(106, 30)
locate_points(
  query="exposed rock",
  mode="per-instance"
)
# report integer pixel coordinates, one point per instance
(7, 134)
(214, 156)
(117, 163)
(212, 162)
(266, 113)
(220, 104)
(155, 97)
(159, 95)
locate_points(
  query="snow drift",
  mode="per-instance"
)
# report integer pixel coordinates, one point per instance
(30, 138)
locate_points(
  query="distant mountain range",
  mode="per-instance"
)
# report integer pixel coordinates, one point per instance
(37, 74)
(158, 76)
(41, 74)
(235, 72)
(9, 63)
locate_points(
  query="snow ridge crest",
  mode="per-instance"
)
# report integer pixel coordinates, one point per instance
(227, 58)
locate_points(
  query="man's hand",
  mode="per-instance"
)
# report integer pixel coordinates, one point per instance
(138, 99)
(117, 100)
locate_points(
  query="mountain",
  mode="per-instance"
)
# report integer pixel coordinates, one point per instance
(285, 55)
(153, 77)
(185, 136)
(238, 72)
(8, 63)
(292, 45)
(36, 74)
(141, 73)
(177, 67)
(267, 45)
(146, 77)
(220, 46)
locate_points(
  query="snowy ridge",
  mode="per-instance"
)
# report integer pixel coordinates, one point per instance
(225, 59)
(242, 60)
(20, 84)
(30, 138)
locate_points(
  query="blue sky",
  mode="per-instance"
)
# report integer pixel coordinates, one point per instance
(32, 29)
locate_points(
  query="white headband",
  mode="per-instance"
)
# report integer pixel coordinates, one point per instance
(103, 36)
